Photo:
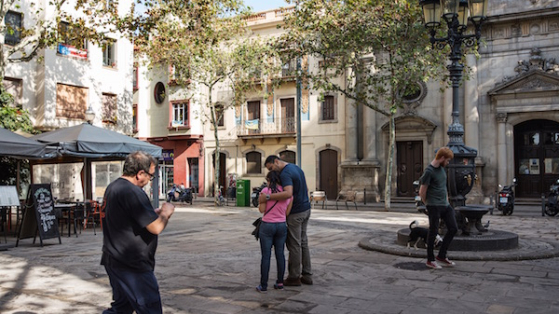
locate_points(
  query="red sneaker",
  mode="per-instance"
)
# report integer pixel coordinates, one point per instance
(446, 262)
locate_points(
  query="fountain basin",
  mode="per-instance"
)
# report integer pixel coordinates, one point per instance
(473, 215)
(473, 211)
(492, 240)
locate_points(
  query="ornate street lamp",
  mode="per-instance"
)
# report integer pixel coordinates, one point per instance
(456, 14)
(89, 115)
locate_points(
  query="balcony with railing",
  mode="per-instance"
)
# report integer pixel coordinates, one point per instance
(270, 16)
(260, 128)
(289, 70)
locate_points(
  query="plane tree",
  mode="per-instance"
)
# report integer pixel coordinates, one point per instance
(373, 52)
(207, 45)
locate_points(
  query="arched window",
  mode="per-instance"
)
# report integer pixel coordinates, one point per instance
(254, 163)
(288, 156)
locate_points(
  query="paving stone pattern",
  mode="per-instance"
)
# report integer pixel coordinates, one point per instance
(208, 263)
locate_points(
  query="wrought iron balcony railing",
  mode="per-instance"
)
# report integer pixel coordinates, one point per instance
(258, 127)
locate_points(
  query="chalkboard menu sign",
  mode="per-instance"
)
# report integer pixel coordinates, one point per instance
(39, 216)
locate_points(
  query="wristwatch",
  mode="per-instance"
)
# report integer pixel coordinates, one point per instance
(267, 197)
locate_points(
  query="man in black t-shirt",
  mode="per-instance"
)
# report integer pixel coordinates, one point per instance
(130, 229)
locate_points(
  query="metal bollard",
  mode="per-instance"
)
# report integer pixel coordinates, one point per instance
(491, 202)
(365, 196)
(543, 205)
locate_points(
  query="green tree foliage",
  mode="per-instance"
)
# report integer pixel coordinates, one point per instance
(371, 51)
(207, 44)
(13, 119)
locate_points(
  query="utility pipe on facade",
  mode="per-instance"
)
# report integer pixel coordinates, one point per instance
(299, 112)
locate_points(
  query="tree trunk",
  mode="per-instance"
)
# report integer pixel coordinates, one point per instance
(390, 163)
(2, 63)
(213, 121)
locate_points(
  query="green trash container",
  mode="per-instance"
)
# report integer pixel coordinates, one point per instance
(243, 192)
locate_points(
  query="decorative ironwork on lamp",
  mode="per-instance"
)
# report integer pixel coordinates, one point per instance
(456, 15)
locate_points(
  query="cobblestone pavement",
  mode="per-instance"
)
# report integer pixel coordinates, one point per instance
(207, 262)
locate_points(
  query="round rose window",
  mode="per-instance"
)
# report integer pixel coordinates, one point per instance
(159, 92)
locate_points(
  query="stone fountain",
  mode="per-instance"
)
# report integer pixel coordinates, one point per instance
(472, 234)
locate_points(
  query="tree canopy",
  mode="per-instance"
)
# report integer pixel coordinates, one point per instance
(373, 52)
(206, 44)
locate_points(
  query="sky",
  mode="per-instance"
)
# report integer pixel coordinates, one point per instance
(264, 5)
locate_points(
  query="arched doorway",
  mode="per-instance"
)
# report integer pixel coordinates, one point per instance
(409, 158)
(222, 178)
(536, 145)
(328, 163)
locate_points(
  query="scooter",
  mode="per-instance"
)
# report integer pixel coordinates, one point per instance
(256, 193)
(505, 203)
(177, 194)
(552, 205)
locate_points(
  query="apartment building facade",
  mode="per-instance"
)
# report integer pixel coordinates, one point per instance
(266, 124)
(166, 115)
(59, 85)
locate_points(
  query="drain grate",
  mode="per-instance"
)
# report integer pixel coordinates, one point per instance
(411, 266)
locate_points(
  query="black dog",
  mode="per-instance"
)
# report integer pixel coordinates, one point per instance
(420, 233)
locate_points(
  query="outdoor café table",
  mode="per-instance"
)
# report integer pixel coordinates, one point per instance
(67, 208)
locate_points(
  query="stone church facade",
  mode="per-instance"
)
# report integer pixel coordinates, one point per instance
(509, 107)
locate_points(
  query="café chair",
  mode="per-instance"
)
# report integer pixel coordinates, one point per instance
(96, 213)
(78, 217)
(90, 209)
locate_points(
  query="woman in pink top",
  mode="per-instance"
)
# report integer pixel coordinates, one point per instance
(273, 231)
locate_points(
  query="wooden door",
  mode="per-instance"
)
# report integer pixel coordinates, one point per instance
(329, 173)
(253, 113)
(536, 145)
(287, 115)
(409, 160)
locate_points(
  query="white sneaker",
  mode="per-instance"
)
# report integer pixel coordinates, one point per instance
(446, 262)
(433, 264)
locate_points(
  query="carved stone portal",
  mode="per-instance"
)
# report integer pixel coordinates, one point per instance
(535, 62)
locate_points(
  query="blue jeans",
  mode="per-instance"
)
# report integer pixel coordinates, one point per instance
(435, 214)
(272, 234)
(133, 291)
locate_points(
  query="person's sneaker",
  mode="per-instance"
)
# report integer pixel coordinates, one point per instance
(306, 280)
(433, 264)
(294, 282)
(260, 289)
(446, 262)
(278, 286)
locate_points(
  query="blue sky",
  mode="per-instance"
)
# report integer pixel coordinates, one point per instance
(264, 5)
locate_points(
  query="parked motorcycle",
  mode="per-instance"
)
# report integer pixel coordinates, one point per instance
(176, 194)
(256, 193)
(505, 202)
(552, 205)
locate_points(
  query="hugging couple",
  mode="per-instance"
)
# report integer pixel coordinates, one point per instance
(286, 208)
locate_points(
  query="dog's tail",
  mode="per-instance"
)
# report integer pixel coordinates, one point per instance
(415, 222)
